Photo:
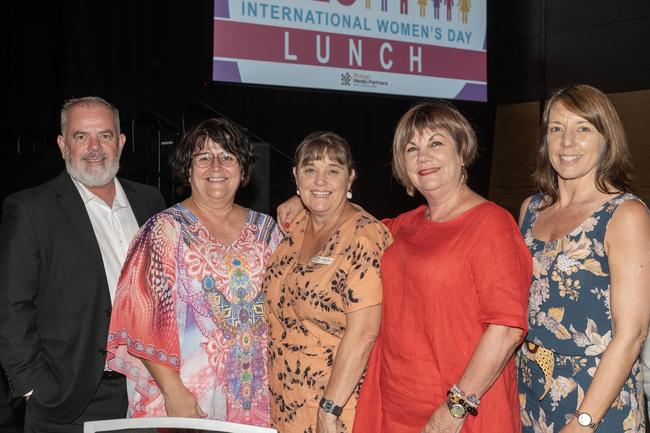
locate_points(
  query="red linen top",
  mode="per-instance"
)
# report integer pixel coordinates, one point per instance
(443, 284)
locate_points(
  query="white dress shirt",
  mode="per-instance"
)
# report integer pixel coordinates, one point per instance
(114, 228)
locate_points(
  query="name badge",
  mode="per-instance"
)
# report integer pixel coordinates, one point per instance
(321, 260)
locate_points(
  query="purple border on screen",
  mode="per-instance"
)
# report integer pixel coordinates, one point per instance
(223, 70)
(221, 9)
(473, 92)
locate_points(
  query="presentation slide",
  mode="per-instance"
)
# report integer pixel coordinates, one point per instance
(424, 48)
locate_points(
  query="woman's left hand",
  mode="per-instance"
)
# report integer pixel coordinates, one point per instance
(442, 422)
(327, 423)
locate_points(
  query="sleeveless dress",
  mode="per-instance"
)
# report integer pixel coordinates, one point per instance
(569, 314)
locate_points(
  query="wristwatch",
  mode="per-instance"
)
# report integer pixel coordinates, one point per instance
(584, 419)
(329, 407)
(456, 409)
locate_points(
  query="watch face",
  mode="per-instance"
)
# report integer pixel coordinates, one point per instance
(457, 410)
(584, 419)
(328, 405)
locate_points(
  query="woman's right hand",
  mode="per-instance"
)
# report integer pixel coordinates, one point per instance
(287, 211)
(442, 422)
(181, 402)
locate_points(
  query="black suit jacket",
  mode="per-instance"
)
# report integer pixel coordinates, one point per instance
(55, 305)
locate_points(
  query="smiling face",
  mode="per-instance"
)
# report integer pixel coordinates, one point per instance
(323, 185)
(214, 183)
(91, 145)
(574, 145)
(432, 162)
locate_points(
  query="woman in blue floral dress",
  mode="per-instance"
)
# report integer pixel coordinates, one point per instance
(589, 304)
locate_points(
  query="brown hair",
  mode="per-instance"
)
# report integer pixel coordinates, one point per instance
(430, 116)
(320, 144)
(615, 165)
(227, 134)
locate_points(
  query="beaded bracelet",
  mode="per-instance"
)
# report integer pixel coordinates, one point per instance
(470, 403)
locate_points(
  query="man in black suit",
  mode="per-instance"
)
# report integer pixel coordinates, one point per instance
(11, 418)
(62, 245)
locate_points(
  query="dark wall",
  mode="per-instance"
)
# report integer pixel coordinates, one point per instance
(156, 56)
(543, 45)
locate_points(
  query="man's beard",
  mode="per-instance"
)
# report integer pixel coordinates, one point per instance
(92, 177)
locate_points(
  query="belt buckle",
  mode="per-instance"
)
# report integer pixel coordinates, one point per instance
(532, 347)
(545, 359)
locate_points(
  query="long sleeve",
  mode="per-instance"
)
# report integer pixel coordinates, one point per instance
(21, 353)
(144, 317)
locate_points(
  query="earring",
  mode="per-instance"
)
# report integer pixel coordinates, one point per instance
(349, 195)
(298, 192)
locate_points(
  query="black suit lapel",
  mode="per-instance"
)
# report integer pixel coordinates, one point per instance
(140, 210)
(75, 210)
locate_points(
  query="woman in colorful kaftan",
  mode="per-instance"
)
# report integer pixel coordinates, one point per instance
(590, 297)
(323, 294)
(188, 327)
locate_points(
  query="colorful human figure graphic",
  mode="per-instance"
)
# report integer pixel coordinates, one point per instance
(449, 4)
(436, 9)
(368, 4)
(463, 7)
(404, 7)
(423, 7)
(384, 5)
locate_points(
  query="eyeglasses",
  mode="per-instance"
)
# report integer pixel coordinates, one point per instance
(205, 159)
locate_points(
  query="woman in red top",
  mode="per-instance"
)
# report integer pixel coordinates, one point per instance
(455, 293)
(455, 284)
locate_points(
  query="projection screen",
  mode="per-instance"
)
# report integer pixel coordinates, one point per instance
(425, 48)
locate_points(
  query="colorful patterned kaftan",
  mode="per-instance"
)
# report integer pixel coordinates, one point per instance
(195, 305)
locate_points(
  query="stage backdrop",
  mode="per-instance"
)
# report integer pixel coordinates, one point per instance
(425, 48)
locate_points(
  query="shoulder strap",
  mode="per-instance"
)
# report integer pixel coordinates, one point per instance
(531, 212)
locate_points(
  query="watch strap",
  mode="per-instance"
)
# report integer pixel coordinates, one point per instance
(329, 407)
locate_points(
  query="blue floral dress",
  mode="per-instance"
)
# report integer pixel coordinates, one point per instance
(569, 314)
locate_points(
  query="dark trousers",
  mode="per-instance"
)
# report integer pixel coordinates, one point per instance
(11, 414)
(110, 401)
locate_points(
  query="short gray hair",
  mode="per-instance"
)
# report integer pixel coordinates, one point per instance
(87, 101)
